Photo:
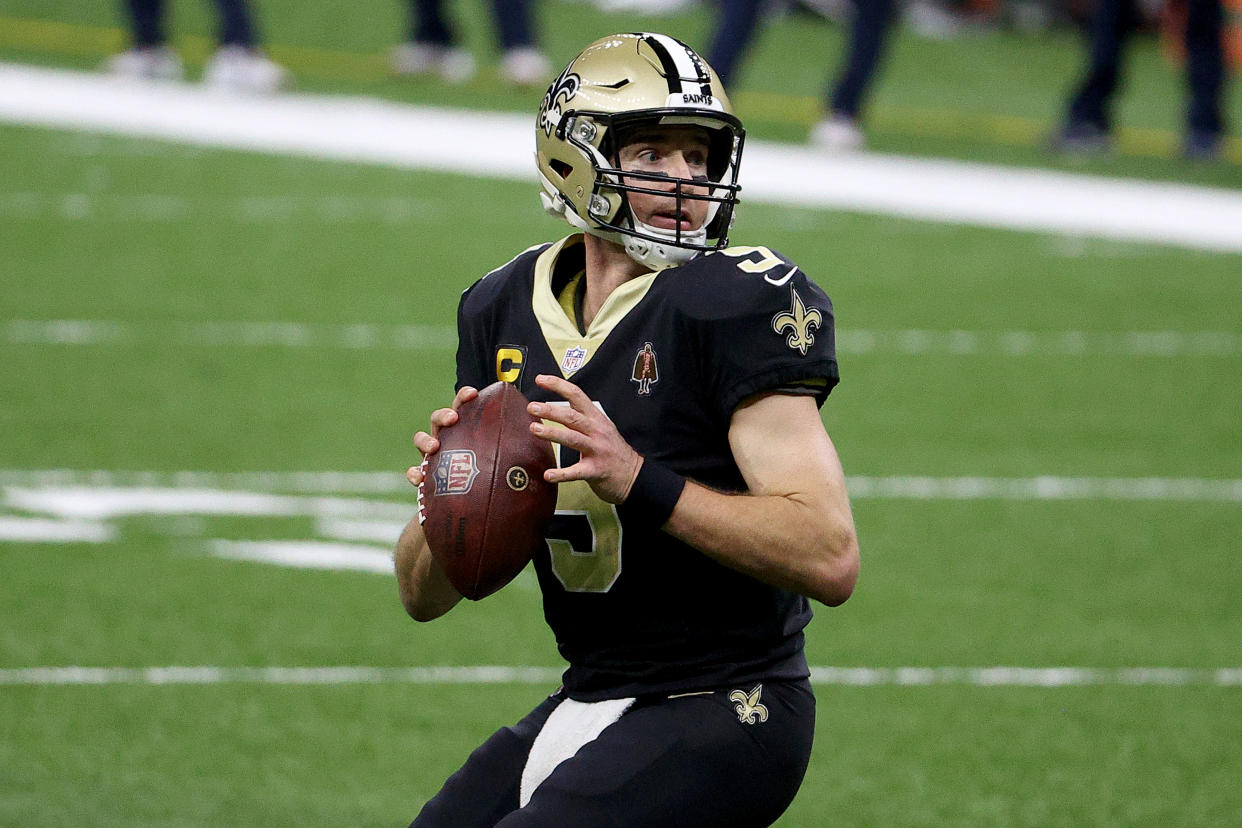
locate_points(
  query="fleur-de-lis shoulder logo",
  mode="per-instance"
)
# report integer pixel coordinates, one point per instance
(801, 321)
(747, 705)
(560, 92)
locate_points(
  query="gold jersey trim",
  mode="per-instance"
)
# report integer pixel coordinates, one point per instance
(559, 328)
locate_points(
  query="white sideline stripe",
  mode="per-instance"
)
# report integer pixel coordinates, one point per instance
(106, 502)
(1178, 489)
(1046, 677)
(501, 145)
(374, 531)
(366, 336)
(44, 530)
(101, 494)
(305, 554)
(360, 336)
(155, 207)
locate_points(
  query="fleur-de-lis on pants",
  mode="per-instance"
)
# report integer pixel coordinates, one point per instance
(747, 705)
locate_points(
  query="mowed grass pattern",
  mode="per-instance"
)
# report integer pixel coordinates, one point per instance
(152, 234)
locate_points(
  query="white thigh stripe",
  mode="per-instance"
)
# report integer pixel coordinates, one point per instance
(571, 725)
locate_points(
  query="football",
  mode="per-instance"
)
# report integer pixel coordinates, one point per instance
(483, 502)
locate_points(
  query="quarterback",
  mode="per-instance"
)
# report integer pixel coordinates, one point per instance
(701, 503)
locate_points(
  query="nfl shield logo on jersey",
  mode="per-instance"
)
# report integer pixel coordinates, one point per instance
(455, 472)
(574, 359)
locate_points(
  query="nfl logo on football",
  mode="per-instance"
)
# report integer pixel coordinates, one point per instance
(455, 472)
(573, 360)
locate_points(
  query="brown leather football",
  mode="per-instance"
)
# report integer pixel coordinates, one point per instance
(483, 502)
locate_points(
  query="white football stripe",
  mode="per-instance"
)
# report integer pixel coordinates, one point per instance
(102, 503)
(100, 494)
(501, 145)
(854, 341)
(1040, 677)
(375, 531)
(15, 529)
(304, 554)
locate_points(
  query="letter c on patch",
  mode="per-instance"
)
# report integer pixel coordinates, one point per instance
(509, 362)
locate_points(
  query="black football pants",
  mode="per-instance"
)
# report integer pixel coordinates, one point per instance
(679, 762)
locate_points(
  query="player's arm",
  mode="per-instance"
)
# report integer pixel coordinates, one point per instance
(794, 529)
(426, 592)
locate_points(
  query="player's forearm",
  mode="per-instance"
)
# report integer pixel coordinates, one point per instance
(804, 544)
(425, 590)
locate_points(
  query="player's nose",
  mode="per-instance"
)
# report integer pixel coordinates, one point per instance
(677, 166)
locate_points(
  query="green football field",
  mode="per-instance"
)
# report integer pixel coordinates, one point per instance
(1042, 435)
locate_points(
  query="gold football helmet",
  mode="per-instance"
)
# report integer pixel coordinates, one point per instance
(621, 81)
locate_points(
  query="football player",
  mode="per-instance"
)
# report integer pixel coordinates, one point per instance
(700, 502)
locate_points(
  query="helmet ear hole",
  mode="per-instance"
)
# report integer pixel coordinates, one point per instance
(561, 168)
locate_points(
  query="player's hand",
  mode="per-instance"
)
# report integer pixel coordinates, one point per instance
(428, 443)
(606, 461)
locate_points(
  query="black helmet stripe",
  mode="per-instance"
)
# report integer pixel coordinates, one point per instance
(680, 64)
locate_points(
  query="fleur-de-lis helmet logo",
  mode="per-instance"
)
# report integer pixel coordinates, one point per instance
(560, 92)
(747, 705)
(800, 320)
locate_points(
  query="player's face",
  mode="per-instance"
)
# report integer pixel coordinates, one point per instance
(676, 152)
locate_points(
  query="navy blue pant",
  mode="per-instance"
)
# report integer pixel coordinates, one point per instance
(872, 20)
(147, 16)
(1111, 26)
(686, 762)
(512, 17)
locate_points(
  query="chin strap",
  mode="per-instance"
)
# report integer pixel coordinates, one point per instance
(658, 254)
(662, 254)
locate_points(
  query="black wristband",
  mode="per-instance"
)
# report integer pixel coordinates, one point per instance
(655, 493)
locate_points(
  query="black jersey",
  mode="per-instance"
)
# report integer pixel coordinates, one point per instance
(668, 357)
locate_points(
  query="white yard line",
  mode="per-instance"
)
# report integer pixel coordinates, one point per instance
(17, 529)
(256, 209)
(1041, 677)
(77, 494)
(856, 341)
(90, 502)
(308, 554)
(501, 146)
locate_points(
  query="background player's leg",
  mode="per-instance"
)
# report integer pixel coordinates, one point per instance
(147, 17)
(1111, 26)
(1205, 76)
(236, 24)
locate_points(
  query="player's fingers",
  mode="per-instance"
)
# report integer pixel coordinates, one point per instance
(414, 474)
(563, 436)
(465, 395)
(425, 443)
(578, 471)
(563, 414)
(576, 396)
(443, 418)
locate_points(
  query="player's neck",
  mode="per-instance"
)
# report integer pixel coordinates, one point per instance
(608, 267)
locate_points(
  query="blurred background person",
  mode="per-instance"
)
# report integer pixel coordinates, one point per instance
(238, 64)
(1088, 119)
(433, 45)
(840, 130)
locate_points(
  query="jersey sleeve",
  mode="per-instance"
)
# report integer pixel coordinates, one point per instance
(481, 312)
(472, 346)
(765, 332)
